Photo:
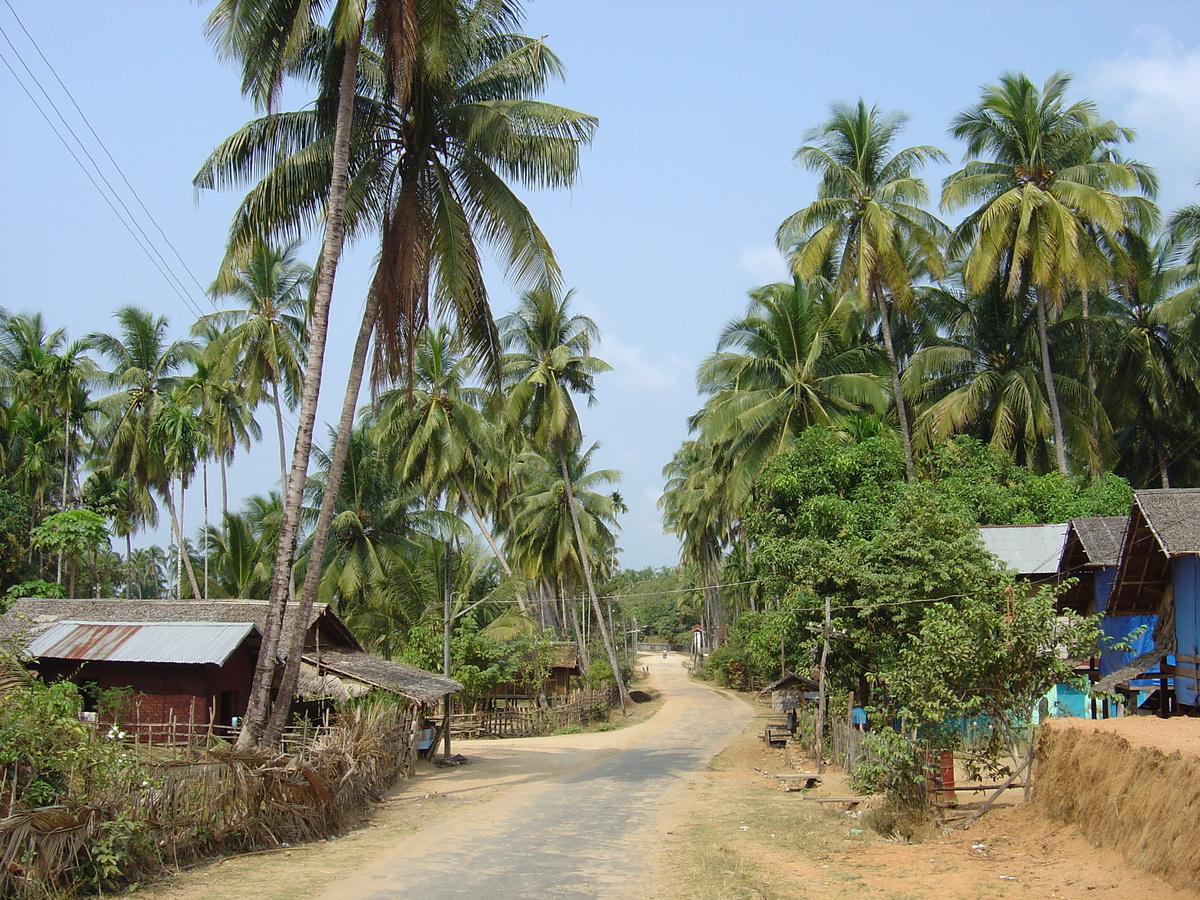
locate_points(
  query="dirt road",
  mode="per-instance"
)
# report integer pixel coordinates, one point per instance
(674, 807)
(588, 819)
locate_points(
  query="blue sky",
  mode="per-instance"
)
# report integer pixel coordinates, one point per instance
(701, 106)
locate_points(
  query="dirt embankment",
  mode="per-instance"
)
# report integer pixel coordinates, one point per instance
(1131, 785)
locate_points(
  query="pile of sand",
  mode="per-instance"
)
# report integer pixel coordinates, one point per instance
(1129, 784)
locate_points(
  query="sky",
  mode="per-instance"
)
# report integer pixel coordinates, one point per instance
(672, 220)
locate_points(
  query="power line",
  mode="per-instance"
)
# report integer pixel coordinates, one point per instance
(104, 147)
(128, 219)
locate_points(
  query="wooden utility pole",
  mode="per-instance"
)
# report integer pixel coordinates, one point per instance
(445, 649)
(821, 689)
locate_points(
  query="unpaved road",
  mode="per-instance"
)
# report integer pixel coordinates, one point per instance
(587, 825)
(642, 812)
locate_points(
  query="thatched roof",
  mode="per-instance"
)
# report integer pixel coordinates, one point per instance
(1162, 524)
(416, 684)
(565, 655)
(31, 616)
(1093, 542)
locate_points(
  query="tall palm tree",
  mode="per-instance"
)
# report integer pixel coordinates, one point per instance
(790, 362)
(1043, 176)
(982, 378)
(440, 438)
(262, 342)
(144, 365)
(867, 222)
(175, 431)
(1150, 330)
(548, 359)
(445, 127)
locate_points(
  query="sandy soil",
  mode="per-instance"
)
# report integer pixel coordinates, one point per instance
(733, 833)
(771, 844)
(1175, 735)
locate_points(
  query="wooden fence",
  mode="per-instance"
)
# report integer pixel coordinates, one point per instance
(581, 707)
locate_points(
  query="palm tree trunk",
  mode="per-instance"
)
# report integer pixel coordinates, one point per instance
(130, 573)
(283, 469)
(294, 642)
(224, 499)
(258, 709)
(584, 655)
(183, 562)
(587, 577)
(885, 325)
(204, 470)
(1060, 448)
(1089, 365)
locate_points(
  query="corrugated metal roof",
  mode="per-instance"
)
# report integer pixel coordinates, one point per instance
(165, 642)
(1026, 549)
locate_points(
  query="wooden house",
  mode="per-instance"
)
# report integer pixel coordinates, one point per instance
(563, 676)
(1158, 575)
(1091, 557)
(192, 662)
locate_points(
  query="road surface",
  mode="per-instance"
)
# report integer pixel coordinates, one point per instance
(589, 820)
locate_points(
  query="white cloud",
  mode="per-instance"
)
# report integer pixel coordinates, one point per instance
(635, 371)
(764, 264)
(1156, 88)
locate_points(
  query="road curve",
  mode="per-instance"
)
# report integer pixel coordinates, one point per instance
(582, 816)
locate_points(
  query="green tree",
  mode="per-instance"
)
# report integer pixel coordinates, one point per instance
(261, 343)
(446, 126)
(548, 359)
(867, 222)
(1043, 177)
(75, 533)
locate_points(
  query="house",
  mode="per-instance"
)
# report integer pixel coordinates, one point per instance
(1034, 553)
(1158, 575)
(1091, 556)
(562, 666)
(193, 661)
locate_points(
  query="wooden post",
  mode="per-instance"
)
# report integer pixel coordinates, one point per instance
(821, 690)
(445, 651)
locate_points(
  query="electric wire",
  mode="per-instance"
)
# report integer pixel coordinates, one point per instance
(104, 147)
(128, 219)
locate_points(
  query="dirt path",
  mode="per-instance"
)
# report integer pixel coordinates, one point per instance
(672, 808)
(565, 816)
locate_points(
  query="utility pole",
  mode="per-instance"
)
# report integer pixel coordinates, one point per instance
(446, 648)
(821, 690)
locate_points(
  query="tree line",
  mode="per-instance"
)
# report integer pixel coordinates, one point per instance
(421, 120)
(1056, 322)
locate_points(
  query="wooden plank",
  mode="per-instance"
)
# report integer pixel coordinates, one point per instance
(836, 799)
(797, 775)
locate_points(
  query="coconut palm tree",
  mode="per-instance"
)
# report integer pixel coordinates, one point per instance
(1043, 178)
(262, 342)
(444, 129)
(982, 378)
(548, 359)
(440, 438)
(867, 223)
(789, 362)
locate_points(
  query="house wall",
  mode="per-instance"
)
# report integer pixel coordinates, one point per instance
(1118, 628)
(185, 692)
(1186, 582)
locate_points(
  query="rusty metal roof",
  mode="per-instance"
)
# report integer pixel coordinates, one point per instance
(163, 642)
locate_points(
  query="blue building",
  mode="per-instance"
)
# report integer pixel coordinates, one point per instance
(1158, 575)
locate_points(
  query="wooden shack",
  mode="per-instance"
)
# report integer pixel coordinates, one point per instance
(189, 664)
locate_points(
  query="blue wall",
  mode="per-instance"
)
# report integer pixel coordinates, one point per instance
(1118, 628)
(1186, 573)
